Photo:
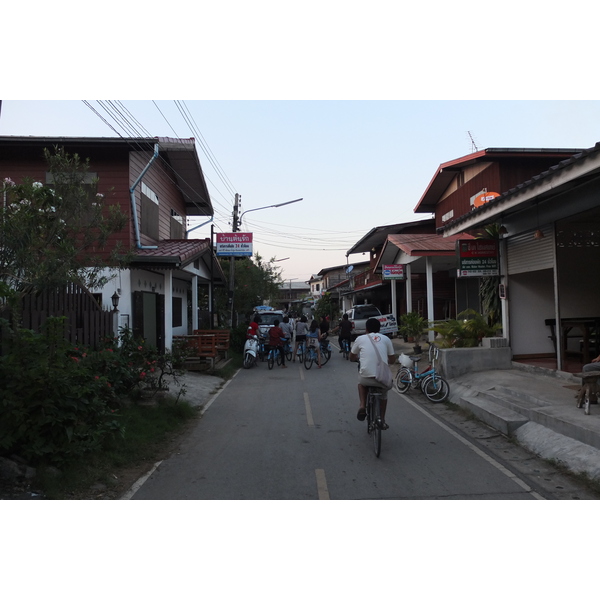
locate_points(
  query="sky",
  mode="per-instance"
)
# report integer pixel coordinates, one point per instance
(356, 164)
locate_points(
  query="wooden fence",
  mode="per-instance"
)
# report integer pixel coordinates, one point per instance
(86, 322)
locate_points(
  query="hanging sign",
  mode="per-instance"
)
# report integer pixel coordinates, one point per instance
(477, 258)
(234, 244)
(393, 271)
(484, 197)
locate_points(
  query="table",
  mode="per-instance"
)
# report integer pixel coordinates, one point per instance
(589, 327)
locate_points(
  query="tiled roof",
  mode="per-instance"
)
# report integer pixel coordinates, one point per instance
(172, 252)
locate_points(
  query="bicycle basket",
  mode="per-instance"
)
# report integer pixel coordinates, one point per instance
(404, 360)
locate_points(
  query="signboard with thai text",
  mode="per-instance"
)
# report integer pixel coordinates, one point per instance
(392, 271)
(234, 244)
(477, 258)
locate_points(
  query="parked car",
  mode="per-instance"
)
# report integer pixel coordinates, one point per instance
(359, 314)
(267, 320)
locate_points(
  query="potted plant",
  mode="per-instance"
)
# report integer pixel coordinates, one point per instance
(412, 326)
(466, 331)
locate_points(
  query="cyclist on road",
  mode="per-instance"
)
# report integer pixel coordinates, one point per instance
(301, 331)
(276, 340)
(363, 352)
(312, 339)
(345, 331)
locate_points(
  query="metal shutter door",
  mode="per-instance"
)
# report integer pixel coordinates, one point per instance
(525, 253)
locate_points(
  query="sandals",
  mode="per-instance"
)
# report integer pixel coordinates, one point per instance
(361, 415)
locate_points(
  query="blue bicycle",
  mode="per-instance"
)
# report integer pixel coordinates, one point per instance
(345, 349)
(310, 356)
(433, 385)
(273, 356)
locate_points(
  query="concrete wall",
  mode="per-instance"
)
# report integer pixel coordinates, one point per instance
(454, 362)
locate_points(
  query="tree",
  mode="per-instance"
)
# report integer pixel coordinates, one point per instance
(51, 235)
(256, 280)
(326, 306)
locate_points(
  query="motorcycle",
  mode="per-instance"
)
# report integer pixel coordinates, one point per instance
(251, 348)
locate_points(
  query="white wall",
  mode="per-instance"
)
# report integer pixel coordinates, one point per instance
(531, 302)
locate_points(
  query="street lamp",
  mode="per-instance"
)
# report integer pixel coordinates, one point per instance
(236, 223)
(272, 206)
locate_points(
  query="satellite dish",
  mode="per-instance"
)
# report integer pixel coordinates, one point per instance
(350, 267)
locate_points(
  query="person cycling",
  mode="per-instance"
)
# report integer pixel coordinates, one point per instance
(276, 339)
(301, 331)
(363, 352)
(345, 331)
(312, 339)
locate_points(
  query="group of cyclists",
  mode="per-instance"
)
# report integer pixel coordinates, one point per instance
(364, 350)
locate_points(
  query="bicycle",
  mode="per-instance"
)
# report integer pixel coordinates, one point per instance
(301, 351)
(273, 356)
(433, 385)
(287, 348)
(310, 356)
(374, 420)
(325, 351)
(345, 349)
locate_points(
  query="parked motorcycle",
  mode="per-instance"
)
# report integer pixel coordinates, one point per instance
(250, 351)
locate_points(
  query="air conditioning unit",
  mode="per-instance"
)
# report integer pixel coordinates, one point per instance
(494, 342)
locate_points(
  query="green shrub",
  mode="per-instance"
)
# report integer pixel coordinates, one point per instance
(54, 406)
(466, 331)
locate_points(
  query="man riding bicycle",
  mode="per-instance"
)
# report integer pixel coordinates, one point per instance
(363, 352)
(345, 332)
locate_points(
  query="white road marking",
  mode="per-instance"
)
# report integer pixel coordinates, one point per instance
(475, 449)
(309, 417)
(322, 484)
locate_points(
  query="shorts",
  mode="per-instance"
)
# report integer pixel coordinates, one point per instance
(372, 382)
(300, 338)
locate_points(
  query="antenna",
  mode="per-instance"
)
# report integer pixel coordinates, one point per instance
(473, 144)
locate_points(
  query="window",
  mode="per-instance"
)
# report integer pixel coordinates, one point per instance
(177, 312)
(149, 216)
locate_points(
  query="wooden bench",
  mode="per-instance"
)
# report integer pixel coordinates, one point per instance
(222, 337)
(200, 348)
(590, 389)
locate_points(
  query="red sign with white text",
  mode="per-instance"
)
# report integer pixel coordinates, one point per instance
(234, 244)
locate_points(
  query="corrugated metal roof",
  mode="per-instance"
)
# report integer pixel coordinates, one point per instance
(426, 244)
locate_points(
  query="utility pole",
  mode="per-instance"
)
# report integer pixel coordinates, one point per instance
(234, 228)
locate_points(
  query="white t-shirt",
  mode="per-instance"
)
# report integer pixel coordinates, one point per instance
(366, 352)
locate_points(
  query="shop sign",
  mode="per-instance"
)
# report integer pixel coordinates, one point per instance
(393, 271)
(234, 244)
(477, 258)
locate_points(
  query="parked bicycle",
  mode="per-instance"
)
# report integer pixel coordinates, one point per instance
(374, 420)
(431, 383)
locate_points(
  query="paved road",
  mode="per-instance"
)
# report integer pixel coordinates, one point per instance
(293, 434)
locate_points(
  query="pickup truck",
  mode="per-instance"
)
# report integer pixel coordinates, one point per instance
(359, 314)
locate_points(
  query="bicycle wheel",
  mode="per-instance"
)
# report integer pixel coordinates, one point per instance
(288, 352)
(325, 356)
(375, 422)
(403, 380)
(300, 353)
(278, 357)
(270, 360)
(345, 350)
(436, 388)
(308, 358)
